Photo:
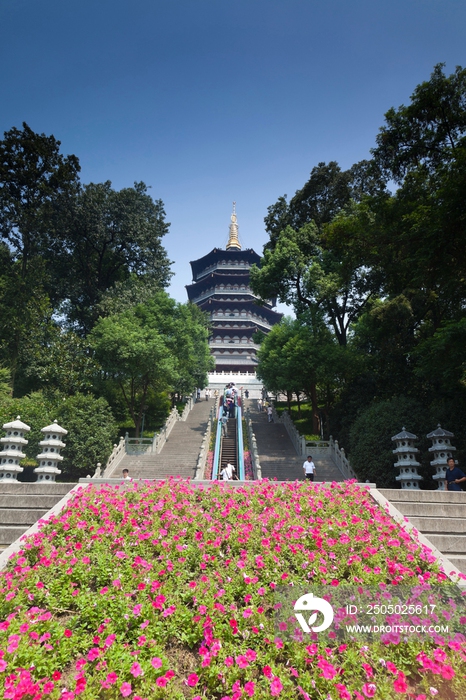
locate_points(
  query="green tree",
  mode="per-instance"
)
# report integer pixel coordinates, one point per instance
(297, 357)
(371, 448)
(154, 347)
(36, 182)
(110, 237)
(24, 311)
(302, 272)
(427, 133)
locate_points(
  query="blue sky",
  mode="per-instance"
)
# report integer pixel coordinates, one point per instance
(209, 101)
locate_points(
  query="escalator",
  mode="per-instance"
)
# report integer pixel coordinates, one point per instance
(229, 447)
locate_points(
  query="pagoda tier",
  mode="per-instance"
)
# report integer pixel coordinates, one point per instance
(221, 287)
(218, 259)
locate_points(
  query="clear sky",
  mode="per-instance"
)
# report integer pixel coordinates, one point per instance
(210, 101)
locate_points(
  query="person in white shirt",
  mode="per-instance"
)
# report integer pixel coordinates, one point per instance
(309, 469)
(227, 472)
(126, 475)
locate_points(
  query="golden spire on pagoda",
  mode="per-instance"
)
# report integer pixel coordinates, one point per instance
(233, 241)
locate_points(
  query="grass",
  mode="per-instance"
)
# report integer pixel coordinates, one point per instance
(302, 422)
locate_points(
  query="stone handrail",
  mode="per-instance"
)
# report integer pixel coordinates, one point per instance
(160, 438)
(314, 447)
(154, 444)
(256, 465)
(295, 437)
(202, 458)
(341, 460)
(115, 458)
(186, 410)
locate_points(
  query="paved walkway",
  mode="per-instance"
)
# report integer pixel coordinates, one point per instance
(179, 454)
(278, 456)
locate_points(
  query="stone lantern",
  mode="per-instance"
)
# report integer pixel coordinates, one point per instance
(50, 456)
(407, 464)
(442, 450)
(12, 453)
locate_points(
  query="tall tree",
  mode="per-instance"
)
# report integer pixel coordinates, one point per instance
(111, 235)
(36, 182)
(157, 346)
(428, 132)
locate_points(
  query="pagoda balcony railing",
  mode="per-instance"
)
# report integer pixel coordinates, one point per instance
(233, 346)
(234, 361)
(216, 266)
(216, 291)
(257, 321)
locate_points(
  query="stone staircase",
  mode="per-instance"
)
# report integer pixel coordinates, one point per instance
(22, 504)
(439, 515)
(179, 454)
(277, 454)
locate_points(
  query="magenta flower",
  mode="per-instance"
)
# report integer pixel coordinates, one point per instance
(126, 689)
(193, 679)
(136, 670)
(276, 686)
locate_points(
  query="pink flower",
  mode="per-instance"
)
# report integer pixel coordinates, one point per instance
(126, 689)
(249, 688)
(276, 686)
(229, 661)
(193, 679)
(136, 670)
(161, 682)
(447, 672)
(110, 680)
(242, 661)
(156, 662)
(400, 683)
(369, 689)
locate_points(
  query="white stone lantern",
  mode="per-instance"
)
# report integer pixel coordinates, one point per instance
(407, 464)
(50, 456)
(442, 450)
(12, 452)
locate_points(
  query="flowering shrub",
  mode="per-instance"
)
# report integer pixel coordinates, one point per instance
(248, 471)
(165, 590)
(209, 465)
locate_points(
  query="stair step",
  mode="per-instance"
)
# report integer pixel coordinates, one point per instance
(10, 533)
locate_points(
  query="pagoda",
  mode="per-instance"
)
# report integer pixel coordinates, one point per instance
(221, 287)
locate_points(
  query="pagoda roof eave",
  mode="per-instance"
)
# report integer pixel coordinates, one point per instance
(197, 266)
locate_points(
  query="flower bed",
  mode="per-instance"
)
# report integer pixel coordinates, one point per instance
(248, 470)
(166, 590)
(209, 465)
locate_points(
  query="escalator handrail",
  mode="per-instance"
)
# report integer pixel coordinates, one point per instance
(218, 443)
(239, 442)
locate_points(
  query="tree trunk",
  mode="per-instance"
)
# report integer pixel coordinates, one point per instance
(298, 397)
(289, 396)
(315, 409)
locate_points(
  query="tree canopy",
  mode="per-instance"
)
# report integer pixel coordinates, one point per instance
(377, 252)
